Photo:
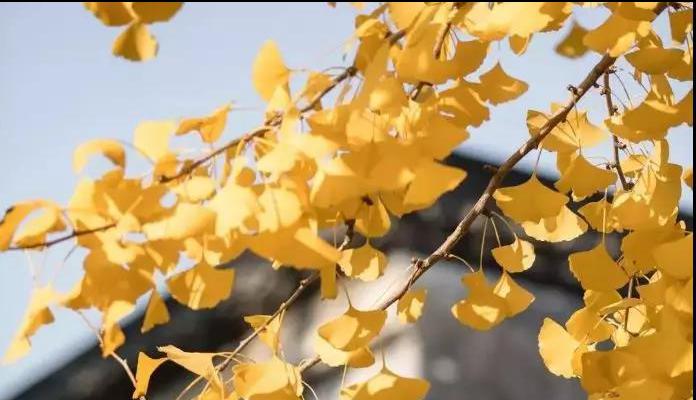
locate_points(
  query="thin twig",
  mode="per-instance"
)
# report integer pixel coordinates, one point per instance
(612, 110)
(63, 238)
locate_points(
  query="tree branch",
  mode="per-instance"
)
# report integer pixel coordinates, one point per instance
(63, 238)
(612, 110)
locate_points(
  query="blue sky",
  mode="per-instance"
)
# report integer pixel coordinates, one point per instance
(60, 85)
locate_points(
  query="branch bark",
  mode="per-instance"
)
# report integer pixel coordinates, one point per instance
(611, 110)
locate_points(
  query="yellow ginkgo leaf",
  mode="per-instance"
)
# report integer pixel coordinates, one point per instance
(37, 315)
(372, 220)
(200, 364)
(151, 12)
(676, 258)
(616, 35)
(531, 201)
(583, 178)
(273, 379)
(517, 256)
(195, 189)
(598, 214)
(654, 60)
(557, 348)
(482, 309)
(681, 22)
(112, 337)
(13, 218)
(146, 367)
(577, 131)
(404, 13)
(135, 43)
(410, 306)
(188, 220)
(586, 325)
(365, 262)
(560, 228)
(156, 312)
(572, 45)
(110, 13)
(387, 385)
(688, 177)
(432, 180)
(151, 139)
(516, 298)
(280, 208)
(269, 334)
(202, 286)
(596, 270)
(464, 103)
(34, 231)
(241, 216)
(498, 87)
(111, 149)
(354, 329)
(331, 356)
(209, 128)
(519, 44)
(269, 71)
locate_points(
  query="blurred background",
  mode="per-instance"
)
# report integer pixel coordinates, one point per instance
(60, 86)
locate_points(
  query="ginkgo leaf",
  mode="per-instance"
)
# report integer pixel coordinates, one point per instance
(531, 201)
(464, 103)
(574, 133)
(516, 298)
(13, 218)
(34, 231)
(616, 35)
(410, 306)
(195, 189)
(586, 325)
(269, 334)
(209, 128)
(156, 312)
(111, 149)
(37, 315)
(200, 364)
(269, 71)
(583, 178)
(273, 379)
(676, 258)
(331, 356)
(365, 262)
(146, 367)
(110, 13)
(151, 139)
(156, 11)
(387, 385)
(572, 45)
(557, 348)
(202, 286)
(596, 270)
(560, 228)
(112, 338)
(493, 23)
(431, 181)
(681, 22)
(498, 87)
(372, 220)
(654, 60)
(599, 215)
(187, 220)
(240, 217)
(482, 309)
(354, 329)
(135, 43)
(279, 208)
(688, 177)
(517, 256)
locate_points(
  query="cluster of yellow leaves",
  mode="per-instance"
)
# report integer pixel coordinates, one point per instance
(373, 152)
(135, 43)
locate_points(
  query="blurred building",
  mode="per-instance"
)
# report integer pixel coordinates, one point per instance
(500, 364)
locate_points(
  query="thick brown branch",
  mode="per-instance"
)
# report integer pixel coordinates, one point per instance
(61, 239)
(612, 110)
